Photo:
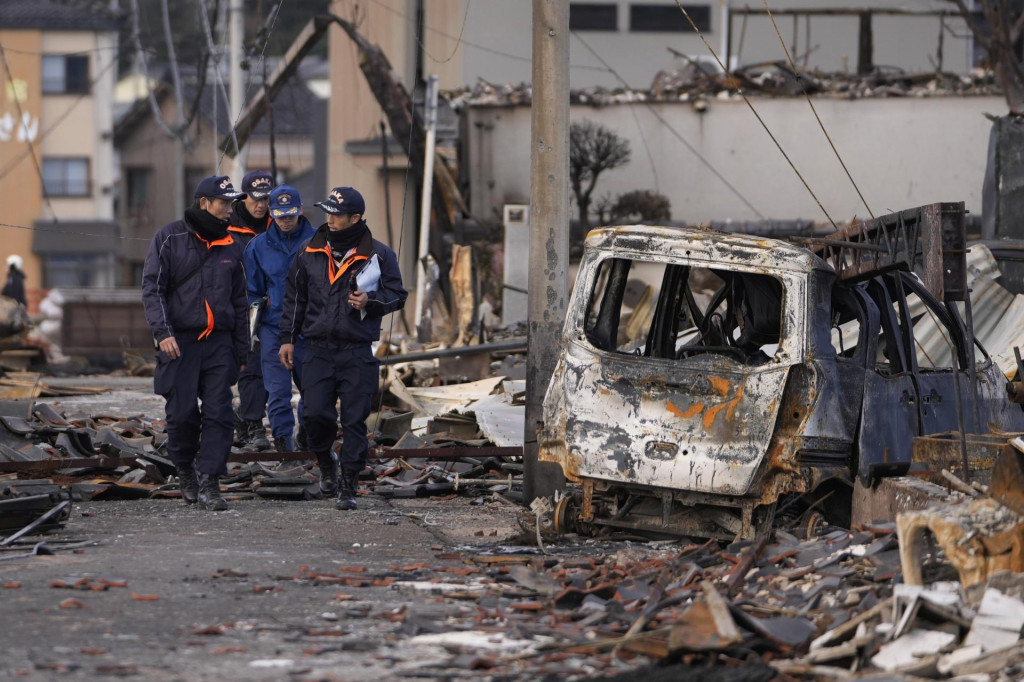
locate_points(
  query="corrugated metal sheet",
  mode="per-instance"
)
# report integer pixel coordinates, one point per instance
(998, 317)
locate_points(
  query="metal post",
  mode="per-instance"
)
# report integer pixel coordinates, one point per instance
(236, 45)
(549, 228)
(428, 188)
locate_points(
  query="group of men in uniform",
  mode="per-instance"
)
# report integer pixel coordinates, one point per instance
(323, 293)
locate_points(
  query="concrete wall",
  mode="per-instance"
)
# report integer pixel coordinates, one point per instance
(496, 41)
(901, 152)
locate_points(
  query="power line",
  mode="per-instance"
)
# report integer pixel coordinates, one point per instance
(458, 41)
(63, 231)
(757, 115)
(24, 130)
(76, 53)
(800, 79)
(676, 134)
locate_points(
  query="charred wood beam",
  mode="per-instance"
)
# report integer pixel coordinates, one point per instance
(250, 117)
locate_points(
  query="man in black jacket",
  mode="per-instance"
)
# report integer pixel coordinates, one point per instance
(193, 290)
(250, 216)
(338, 289)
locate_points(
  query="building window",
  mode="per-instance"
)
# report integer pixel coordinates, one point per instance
(668, 18)
(66, 177)
(593, 16)
(136, 191)
(71, 270)
(65, 74)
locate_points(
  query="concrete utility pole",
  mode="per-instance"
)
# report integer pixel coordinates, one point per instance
(430, 114)
(236, 31)
(549, 228)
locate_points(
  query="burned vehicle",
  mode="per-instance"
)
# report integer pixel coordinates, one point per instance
(709, 382)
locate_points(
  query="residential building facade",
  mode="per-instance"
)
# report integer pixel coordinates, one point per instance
(57, 166)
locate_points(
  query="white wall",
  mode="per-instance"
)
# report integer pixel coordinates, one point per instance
(902, 152)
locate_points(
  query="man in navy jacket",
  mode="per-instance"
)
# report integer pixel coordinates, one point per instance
(268, 258)
(340, 286)
(249, 218)
(193, 290)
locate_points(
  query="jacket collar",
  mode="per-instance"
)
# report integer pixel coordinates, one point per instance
(302, 232)
(318, 244)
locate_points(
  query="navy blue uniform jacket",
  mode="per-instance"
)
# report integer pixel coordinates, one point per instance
(211, 299)
(316, 296)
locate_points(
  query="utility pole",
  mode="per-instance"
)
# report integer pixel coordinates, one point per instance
(549, 229)
(430, 116)
(236, 44)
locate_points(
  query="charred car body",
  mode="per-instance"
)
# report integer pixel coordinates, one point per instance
(753, 377)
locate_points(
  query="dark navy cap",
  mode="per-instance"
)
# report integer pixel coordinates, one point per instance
(257, 184)
(216, 187)
(285, 201)
(343, 200)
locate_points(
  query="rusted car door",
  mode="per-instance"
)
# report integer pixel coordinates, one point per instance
(889, 413)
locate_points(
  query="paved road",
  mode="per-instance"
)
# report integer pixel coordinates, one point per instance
(272, 626)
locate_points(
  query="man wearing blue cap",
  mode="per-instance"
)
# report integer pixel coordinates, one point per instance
(340, 286)
(268, 258)
(248, 219)
(193, 292)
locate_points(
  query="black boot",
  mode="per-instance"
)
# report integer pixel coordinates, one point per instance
(347, 486)
(328, 473)
(241, 430)
(258, 436)
(301, 442)
(189, 485)
(209, 493)
(284, 444)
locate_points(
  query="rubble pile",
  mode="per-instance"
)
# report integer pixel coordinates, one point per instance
(44, 452)
(828, 607)
(777, 79)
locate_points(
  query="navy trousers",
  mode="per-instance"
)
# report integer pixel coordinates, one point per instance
(278, 382)
(252, 396)
(199, 438)
(351, 376)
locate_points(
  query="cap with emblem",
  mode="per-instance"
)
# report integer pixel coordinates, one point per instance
(216, 187)
(343, 200)
(257, 184)
(284, 202)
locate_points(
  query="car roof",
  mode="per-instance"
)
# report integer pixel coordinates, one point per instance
(695, 245)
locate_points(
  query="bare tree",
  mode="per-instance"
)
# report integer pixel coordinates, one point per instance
(646, 205)
(593, 149)
(999, 35)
